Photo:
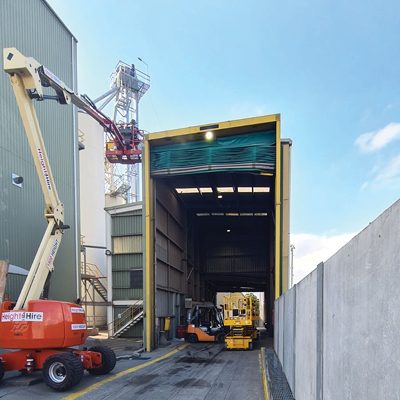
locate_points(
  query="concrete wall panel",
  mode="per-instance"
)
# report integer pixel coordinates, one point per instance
(361, 314)
(289, 331)
(281, 305)
(306, 338)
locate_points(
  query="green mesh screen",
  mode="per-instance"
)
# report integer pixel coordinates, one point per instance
(246, 152)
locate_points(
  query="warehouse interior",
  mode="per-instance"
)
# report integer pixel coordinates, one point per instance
(223, 238)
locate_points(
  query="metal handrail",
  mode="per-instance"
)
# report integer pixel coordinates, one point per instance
(91, 269)
(128, 315)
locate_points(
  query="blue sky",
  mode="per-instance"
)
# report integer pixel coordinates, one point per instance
(331, 68)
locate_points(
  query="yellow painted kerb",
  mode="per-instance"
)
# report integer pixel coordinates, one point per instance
(149, 276)
(111, 378)
(261, 357)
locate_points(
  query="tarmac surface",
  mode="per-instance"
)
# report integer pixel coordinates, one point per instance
(180, 371)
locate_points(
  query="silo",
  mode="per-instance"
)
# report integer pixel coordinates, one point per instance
(93, 221)
(34, 29)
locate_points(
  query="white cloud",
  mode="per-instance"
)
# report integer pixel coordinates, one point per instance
(384, 174)
(310, 250)
(372, 141)
(389, 172)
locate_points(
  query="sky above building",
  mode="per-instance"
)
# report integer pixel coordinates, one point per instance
(331, 68)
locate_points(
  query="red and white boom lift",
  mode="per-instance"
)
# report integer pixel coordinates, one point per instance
(44, 334)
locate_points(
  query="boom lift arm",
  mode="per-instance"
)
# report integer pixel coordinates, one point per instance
(24, 80)
(28, 77)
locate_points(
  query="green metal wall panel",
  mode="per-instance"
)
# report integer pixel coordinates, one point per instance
(122, 262)
(14, 285)
(127, 294)
(124, 225)
(121, 279)
(33, 28)
(127, 225)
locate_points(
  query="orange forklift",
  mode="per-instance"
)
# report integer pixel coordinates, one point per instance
(45, 334)
(205, 324)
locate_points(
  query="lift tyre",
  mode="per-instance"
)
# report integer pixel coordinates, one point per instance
(1, 370)
(192, 338)
(251, 346)
(62, 371)
(108, 360)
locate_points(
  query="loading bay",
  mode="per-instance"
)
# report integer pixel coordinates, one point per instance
(179, 371)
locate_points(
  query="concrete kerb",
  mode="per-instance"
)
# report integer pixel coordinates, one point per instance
(264, 375)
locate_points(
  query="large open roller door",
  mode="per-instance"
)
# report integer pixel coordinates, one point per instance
(213, 215)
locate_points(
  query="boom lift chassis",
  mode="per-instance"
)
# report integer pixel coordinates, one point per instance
(43, 333)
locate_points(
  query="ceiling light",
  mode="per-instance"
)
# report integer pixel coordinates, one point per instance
(206, 190)
(209, 135)
(232, 214)
(217, 214)
(220, 196)
(261, 189)
(260, 214)
(203, 214)
(242, 189)
(187, 190)
(228, 230)
(225, 189)
(246, 214)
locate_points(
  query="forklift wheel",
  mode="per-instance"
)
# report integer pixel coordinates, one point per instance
(62, 371)
(192, 338)
(108, 360)
(1, 370)
(251, 346)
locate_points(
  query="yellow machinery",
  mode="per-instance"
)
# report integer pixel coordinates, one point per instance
(241, 315)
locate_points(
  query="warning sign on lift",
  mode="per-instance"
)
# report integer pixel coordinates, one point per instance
(21, 316)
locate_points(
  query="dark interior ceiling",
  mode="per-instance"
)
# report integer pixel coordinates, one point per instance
(230, 202)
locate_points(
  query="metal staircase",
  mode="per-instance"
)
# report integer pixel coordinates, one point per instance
(130, 317)
(93, 282)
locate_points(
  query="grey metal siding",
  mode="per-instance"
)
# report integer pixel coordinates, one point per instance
(14, 285)
(170, 250)
(32, 27)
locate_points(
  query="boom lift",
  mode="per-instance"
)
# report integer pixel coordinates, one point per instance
(45, 331)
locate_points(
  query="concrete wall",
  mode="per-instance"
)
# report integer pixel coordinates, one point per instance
(347, 320)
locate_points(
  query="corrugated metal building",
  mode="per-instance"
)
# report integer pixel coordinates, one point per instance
(125, 267)
(34, 29)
